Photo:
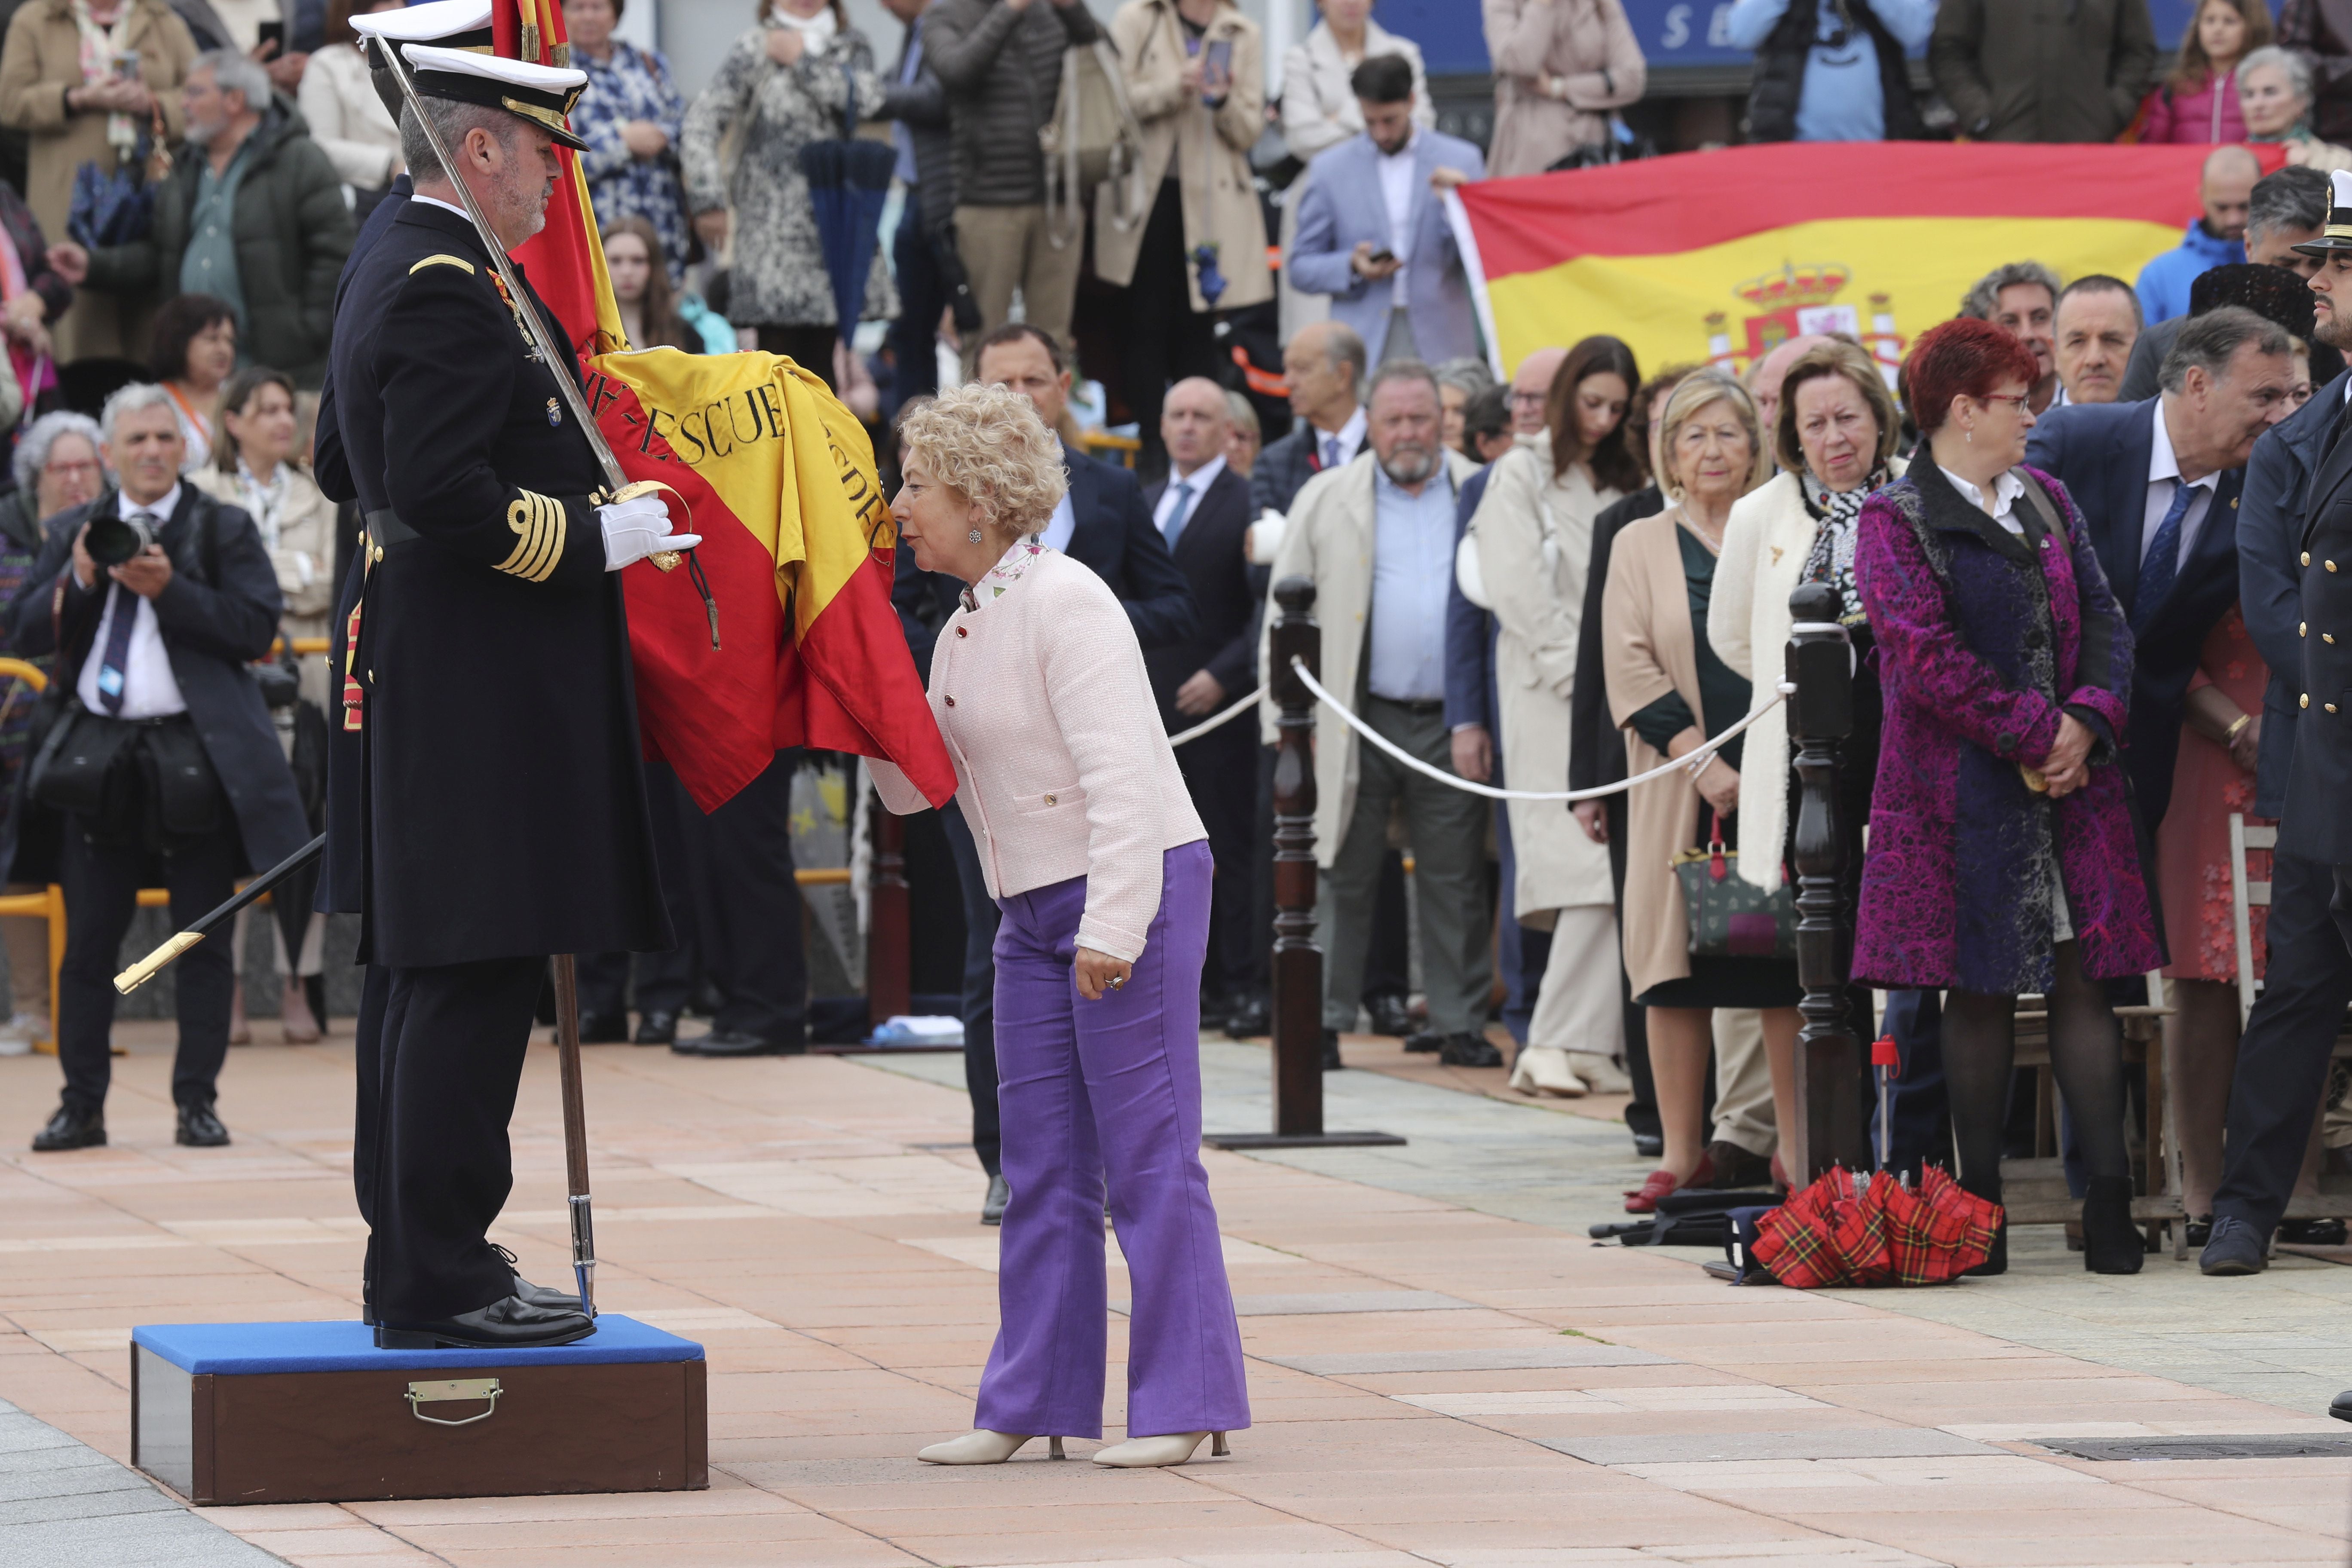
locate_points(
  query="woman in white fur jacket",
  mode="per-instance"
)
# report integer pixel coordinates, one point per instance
(1835, 441)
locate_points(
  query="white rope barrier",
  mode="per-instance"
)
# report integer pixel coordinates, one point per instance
(1241, 706)
(1680, 763)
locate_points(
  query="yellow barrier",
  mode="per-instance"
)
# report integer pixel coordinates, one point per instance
(1110, 449)
(50, 904)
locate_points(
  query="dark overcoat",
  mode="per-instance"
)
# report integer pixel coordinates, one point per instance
(1985, 639)
(501, 805)
(212, 631)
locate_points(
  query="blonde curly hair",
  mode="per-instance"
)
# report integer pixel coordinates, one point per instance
(988, 443)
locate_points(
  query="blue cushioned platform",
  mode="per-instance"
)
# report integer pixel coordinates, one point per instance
(349, 1345)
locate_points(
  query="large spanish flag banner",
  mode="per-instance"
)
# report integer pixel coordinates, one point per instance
(1717, 257)
(779, 480)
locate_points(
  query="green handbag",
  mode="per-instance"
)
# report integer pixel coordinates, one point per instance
(1731, 917)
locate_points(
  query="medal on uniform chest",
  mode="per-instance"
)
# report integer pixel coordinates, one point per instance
(530, 345)
(554, 412)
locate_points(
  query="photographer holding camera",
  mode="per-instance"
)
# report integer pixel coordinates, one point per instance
(159, 749)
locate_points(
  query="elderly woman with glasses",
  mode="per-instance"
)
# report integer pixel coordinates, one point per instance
(1095, 855)
(2002, 859)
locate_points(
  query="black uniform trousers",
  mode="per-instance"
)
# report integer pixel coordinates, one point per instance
(101, 884)
(2283, 1057)
(438, 1056)
(1220, 772)
(663, 979)
(980, 918)
(748, 909)
(922, 298)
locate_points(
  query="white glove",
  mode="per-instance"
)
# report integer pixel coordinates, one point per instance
(635, 528)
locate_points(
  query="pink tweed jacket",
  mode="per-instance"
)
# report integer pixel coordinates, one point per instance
(1061, 763)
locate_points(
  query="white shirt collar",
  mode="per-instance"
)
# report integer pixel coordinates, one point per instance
(445, 207)
(164, 509)
(2164, 464)
(2006, 490)
(1199, 479)
(1350, 436)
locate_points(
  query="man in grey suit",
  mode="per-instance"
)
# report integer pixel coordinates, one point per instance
(1372, 232)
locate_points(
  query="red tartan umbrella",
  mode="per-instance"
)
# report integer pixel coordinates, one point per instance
(1877, 1231)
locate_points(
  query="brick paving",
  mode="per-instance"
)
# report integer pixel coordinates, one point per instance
(1443, 1369)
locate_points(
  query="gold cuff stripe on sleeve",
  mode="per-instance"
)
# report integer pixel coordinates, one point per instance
(442, 261)
(538, 524)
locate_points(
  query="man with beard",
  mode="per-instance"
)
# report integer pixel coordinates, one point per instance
(1376, 537)
(2293, 545)
(495, 822)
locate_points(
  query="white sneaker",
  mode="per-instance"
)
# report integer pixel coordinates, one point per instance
(17, 1036)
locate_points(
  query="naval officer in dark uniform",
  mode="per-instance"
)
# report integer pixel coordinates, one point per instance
(500, 815)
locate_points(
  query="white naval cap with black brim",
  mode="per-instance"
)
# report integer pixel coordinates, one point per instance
(2337, 233)
(446, 24)
(542, 94)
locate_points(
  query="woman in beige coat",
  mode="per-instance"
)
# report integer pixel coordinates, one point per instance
(1196, 74)
(1534, 531)
(1561, 66)
(58, 81)
(1668, 690)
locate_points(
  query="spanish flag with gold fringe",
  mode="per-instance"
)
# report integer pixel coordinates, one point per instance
(779, 478)
(1715, 258)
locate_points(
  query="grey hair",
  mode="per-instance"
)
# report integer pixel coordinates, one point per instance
(1403, 369)
(233, 72)
(1983, 296)
(455, 122)
(1467, 374)
(2293, 197)
(130, 399)
(1344, 345)
(1242, 415)
(2210, 340)
(2297, 68)
(41, 435)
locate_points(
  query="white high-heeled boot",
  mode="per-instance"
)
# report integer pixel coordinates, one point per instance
(1151, 1453)
(981, 1448)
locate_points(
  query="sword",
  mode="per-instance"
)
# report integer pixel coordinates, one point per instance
(575, 1129)
(554, 352)
(147, 968)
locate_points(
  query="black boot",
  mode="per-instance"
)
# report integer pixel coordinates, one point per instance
(1997, 1260)
(2111, 1243)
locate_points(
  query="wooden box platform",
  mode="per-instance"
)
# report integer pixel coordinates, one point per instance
(260, 1412)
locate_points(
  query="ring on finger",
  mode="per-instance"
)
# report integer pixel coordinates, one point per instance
(1117, 981)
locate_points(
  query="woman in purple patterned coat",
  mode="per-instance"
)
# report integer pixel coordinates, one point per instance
(2001, 856)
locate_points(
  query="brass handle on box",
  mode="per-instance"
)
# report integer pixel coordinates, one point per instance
(458, 1390)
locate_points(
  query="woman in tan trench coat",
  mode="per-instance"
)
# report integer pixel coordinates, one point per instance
(1561, 66)
(66, 95)
(1533, 533)
(1668, 690)
(1196, 74)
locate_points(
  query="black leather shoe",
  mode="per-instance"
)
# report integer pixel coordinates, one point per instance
(510, 1323)
(2311, 1232)
(1428, 1042)
(991, 1208)
(71, 1128)
(1252, 1017)
(2235, 1248)
(1736, 1168)
(537, 1295)
(1331, 1062)
(1649, 1145)
(604, 1028)
(199, 1128)
(723, 1043)
(657, 1029)
(2341, 1408)
(1469, 1051)
(1389, 1016)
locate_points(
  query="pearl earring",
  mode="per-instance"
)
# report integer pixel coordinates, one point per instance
(1970, 433)
(975, 537)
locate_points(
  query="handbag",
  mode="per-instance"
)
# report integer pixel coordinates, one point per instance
(107, 210)
(1730, 916)
(1093, 138)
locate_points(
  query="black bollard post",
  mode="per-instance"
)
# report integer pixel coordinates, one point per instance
(1829, 1060)
(1298, 962)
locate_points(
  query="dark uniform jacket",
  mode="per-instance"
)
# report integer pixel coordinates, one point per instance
(212, 630)
(2318, 821)
(2270, 583)
(501, 809)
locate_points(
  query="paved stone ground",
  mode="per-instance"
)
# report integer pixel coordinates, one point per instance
(1443, 1369)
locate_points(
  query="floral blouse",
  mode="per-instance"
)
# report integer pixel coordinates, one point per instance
(633, 85)
(1007, 571)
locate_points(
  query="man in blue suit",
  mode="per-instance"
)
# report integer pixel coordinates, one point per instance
(1371, 228)
(2158, 483)
(1104, 524)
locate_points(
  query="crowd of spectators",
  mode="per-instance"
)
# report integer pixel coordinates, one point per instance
(1559, 580)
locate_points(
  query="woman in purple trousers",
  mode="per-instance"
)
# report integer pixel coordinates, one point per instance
(1093, 851)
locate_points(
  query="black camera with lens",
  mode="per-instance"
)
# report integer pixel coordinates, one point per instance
(111, 541)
